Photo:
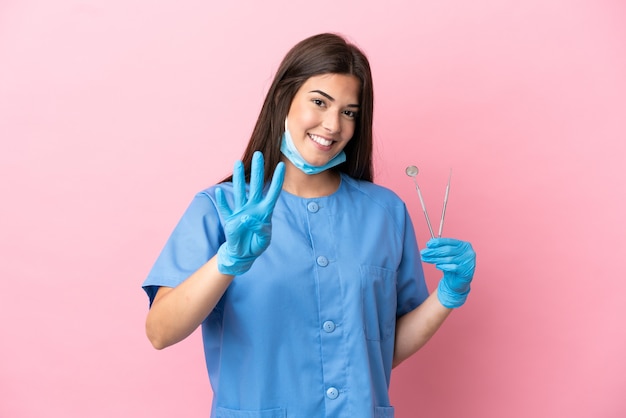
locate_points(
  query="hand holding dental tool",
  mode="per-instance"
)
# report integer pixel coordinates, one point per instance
(457, 260)
(247, 226)
(454, 257)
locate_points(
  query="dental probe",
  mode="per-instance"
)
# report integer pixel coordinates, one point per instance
(445, 203)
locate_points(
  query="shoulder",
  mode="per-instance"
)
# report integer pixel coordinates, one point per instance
(374, 192)
(380, 202)
(204, 202)
(208, 194)
(387, 202)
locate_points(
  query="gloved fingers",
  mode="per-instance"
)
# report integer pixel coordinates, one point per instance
(431, 255)
(443, 256)
(447, 267)
(463, 268)
(256, 177)
(447, 247)
(261, 240)
(251, 223)
(248, 236)
(247, 225)
(239, 185)
(439, 242)
(451, 256)
(240, 228)
(222, 204)
(451, 268)
(438, 259)
(276, 187)
(461, 264)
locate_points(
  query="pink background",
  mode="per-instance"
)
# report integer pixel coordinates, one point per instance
(113, 114)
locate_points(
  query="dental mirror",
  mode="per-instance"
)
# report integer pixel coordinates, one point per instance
(412, 171)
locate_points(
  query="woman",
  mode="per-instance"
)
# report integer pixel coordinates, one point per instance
(308, 290)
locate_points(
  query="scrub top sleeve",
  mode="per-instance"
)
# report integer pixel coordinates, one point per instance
(411, 285)
(195, 239)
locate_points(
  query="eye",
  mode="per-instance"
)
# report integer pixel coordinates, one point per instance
(350, 114)
(318, 102)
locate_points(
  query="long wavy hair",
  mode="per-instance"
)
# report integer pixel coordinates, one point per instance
(325, 53)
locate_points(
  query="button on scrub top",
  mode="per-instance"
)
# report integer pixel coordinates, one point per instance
(309, 330)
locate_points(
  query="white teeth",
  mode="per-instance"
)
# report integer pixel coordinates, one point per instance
(320, 140)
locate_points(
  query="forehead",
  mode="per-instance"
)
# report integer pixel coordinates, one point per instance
(342, 87)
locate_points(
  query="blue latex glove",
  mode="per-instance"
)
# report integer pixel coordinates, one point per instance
(457, 260)
(247, 226)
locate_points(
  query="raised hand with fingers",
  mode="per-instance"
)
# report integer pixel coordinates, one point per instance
(457, 260)
(247, 226)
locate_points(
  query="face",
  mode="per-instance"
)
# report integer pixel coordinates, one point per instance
(322, 116)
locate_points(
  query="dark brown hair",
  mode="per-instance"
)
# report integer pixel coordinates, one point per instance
(325, 53)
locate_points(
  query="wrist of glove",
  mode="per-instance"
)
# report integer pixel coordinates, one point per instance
(448, 296)
(229, 262)
(247, 225)
(457, 260)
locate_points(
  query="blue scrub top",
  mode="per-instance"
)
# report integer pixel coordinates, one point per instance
(309, 330)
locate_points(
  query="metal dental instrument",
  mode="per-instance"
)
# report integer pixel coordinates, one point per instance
(445, 203)
(412, 171)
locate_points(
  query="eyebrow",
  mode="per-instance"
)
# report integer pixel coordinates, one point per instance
(331, 98)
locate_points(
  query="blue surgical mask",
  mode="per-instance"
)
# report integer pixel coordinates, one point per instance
(289, 150)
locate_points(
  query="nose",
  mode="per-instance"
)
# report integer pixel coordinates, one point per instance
(332, 122)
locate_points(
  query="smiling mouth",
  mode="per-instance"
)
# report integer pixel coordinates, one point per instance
(319, 140)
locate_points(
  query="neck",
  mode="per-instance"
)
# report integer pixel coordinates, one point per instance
(309, 185)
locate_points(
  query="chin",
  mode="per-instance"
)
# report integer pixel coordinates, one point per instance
(317, 163)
